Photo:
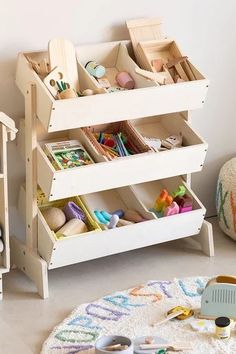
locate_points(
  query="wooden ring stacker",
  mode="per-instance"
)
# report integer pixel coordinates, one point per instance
(186, 312)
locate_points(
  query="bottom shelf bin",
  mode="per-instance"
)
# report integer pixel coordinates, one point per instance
(141, 198)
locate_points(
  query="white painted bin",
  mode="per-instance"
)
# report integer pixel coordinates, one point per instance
(146, 100)
(126, 170)
(80, 248)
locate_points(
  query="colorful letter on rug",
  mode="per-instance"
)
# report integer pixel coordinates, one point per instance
(131, 313)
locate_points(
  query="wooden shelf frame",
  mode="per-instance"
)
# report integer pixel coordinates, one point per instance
(7, 132)
(26, 255)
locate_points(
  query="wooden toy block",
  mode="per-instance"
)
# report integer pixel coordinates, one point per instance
(57, 74)
(175, 61)
(157, 64)
(44, 68)
(62, 54)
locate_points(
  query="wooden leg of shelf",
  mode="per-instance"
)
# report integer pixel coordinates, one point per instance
(31, 264)
(1, 286)
(205, 238)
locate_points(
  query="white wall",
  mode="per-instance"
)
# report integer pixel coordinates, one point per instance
(205, 30)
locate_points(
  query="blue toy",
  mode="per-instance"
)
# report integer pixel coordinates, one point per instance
(119, 212)
(100, 217)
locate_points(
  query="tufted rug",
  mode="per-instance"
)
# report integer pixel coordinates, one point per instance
(131, 313)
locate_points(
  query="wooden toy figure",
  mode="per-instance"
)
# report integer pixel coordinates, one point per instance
(185, 203)
(163, 201)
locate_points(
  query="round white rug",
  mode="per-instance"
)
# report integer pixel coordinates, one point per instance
(131, 313)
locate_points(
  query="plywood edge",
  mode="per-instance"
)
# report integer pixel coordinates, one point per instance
(31, 264)
(25, 75)
(45, 171)
(141, 22)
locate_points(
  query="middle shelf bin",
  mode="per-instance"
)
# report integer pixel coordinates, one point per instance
(122, 171)
(151, 230)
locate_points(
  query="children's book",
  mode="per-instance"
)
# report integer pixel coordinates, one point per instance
(68, 154)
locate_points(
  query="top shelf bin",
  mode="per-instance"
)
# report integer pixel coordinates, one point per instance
(147, 99)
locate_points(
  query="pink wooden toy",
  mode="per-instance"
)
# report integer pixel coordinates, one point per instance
(171, 209)
(157, 64)
(185, 203)
(125, 80)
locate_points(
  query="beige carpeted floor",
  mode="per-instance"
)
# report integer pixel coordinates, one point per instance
(26, 320)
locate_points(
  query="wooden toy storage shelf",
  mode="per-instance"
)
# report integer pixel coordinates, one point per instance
(7, 132)
(98, 109)
(47, 118)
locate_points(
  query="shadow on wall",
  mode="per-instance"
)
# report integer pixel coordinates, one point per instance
(12, 103)
(11, 100)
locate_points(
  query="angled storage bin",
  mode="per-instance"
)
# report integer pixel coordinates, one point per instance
(127, 170)
(140, 198)
(147, 100)
(50, 246)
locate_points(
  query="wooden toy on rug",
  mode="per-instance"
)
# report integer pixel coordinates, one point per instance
(158, 343)
(202, 325)
(186, 312)
(114, 343)
(62, 54)
(179, 312)
(138, 341)
(167, 318)
(219, 298)
(72, 227)
(115, 347)
(171, 346)
(54, 217)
